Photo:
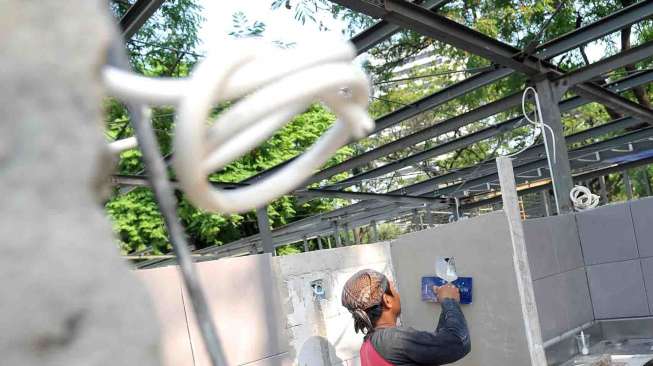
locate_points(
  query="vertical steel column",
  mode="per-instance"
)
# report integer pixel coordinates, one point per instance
(456, 211)
(603, 190)
(545, 202)
(647, 180)
(415, 220)
(375, 231)
(429, 216)
(336, 232)
(628, 185)
(357, 238)
(305, 240)
(345, 229)
(264, 230)
(319, 242)
(558, 157)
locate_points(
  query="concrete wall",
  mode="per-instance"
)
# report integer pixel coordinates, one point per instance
(483, 250)
(596, 264)
(558, 272)
(245, 300)
(321, 330)
(617, 242)
(265, 309)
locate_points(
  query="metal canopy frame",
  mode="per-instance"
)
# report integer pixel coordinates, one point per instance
(438, 192)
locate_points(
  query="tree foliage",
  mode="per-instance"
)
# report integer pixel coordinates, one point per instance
(166, 46)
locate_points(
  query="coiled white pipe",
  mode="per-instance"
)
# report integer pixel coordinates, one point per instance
(583, 198)
(270, 86)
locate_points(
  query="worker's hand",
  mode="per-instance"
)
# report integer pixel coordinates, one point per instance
(447, 291)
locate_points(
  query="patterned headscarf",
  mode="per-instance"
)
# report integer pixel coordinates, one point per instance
(362, 296)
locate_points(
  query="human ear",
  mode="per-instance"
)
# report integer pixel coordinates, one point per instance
(387, 301)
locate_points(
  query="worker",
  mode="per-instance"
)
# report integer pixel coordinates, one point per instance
(375, 305)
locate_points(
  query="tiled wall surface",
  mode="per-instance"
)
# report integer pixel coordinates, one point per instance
(596, 264)
(557, 269)
(617, 242)
(251, 325)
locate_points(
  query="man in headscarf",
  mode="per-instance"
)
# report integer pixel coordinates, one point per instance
(375, 306)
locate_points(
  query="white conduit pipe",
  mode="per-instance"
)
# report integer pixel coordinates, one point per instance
(583, 198)
(273, 85)
(118, 146)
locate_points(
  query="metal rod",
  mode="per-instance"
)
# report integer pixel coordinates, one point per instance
(158, 176)
(137, 15)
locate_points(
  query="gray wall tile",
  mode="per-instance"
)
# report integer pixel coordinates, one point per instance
(606, 234)
(577, 295)
(541, 253)
(551, 306)
(618, 290)
(564, 234)
(642, 212)
(563, 302)
(647, 267)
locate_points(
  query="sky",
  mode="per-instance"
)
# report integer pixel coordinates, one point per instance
(280, 23)
(282, 26)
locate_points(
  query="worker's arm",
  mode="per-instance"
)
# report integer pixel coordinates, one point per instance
(449, 343)
(451, 331)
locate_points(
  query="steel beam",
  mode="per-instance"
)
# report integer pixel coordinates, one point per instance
(630, 56)
(606, 25)
(137, 15)
(452, 145)
(541, 163)
(578, 177)
(601, 27)
(462, 37)
(398, 198)
(383, 30)
(142, 181)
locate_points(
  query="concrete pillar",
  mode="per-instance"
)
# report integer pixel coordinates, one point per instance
(520, 261)
(319, 242)
(558, 157)
(68, 297)
(264, 230)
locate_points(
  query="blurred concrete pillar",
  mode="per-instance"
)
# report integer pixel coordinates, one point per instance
(69, 298)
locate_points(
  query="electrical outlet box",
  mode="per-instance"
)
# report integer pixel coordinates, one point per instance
(464, 284)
